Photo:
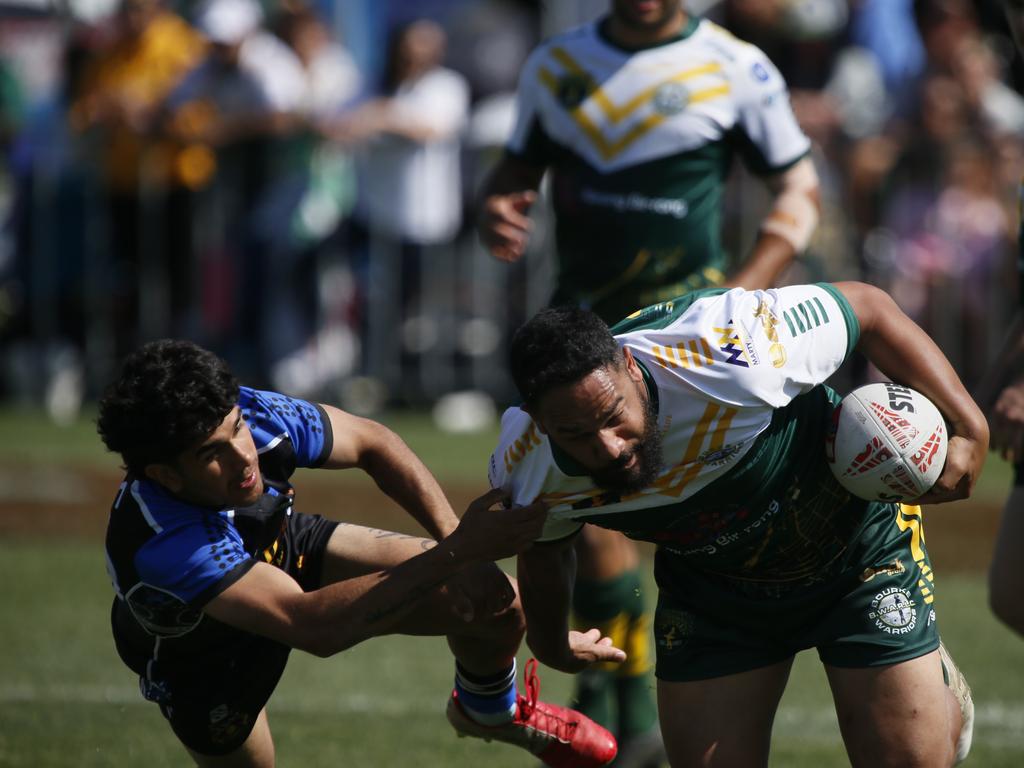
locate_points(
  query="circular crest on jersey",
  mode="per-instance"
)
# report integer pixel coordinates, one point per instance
(893, 610)
(574, 88)
(670, 98)
(887, 442)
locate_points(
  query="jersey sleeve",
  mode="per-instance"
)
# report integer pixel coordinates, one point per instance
(800, 335)
(770, 138)
(760, 347)
(517, 466)
(194, 561)
(529, 141)
(274, 417)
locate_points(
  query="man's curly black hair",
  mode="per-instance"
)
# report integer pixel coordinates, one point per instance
(168, 395)
(560, 345)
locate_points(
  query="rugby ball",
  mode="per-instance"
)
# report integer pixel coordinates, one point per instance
(887, 442)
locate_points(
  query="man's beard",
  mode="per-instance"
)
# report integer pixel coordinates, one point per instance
(649, 460)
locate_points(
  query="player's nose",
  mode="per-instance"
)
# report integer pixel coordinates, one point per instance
(608, 446)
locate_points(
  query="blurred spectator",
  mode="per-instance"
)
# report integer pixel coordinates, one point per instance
(999, 109)
(145, 189)
(411, 195)
(47, 288)
(310, 342)
(410, 136)
(239, 109)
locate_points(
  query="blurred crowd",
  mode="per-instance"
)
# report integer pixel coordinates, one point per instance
(246, 175)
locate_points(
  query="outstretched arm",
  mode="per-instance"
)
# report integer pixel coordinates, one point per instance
(901, 350)
(398, 472)
(546, 574)
(267, 601)
(786, 230)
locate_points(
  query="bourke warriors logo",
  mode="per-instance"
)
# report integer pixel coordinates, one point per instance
(894, 611)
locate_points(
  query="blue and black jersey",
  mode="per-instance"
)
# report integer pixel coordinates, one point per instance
(168, 558)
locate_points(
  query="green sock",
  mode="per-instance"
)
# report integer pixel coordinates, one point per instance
(615, 607)
(638, 712)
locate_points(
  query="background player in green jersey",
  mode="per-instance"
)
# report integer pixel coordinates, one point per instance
(637, 117)
(712, 445)
(1003, 398)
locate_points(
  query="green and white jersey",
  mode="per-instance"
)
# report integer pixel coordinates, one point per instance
(735, 377)
(639, 144)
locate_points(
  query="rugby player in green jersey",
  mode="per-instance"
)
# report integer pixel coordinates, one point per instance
(638, 117)
(701, 426)
(1003, 397)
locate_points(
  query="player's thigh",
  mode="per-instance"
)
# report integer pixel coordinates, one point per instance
(724, 722)
(1006, 576)
(479, 600)
(901, 715)
(256, 752)
(602, 554)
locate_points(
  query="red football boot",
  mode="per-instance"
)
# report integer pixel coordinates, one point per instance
(560, 737)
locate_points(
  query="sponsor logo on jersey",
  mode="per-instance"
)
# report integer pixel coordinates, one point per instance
(895, 568)
(671, 629)
(670, 98)
(776, 352)
(720, 456)
(732, 346)
(893, 610)
(634, 202)
(161, 613)
(759, 72)
(574, 88)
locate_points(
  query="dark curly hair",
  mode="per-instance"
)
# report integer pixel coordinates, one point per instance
(560, 345)
(168, 395)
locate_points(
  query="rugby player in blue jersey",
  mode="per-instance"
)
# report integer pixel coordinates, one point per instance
(218, 576)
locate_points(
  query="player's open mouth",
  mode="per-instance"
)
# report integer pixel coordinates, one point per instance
(249, 481)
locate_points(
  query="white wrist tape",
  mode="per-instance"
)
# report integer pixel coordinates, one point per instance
(794, 214)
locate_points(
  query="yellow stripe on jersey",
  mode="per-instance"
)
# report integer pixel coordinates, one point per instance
(694, 353)
(521, 446)
(614, 113)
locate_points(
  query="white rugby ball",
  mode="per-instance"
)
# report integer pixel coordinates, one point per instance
(887, 443)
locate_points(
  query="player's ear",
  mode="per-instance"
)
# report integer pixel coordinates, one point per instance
(632, 367)
(165, 475)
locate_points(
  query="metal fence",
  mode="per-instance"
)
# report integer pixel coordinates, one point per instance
(359, 321)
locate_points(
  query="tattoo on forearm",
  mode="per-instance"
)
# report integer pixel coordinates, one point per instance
(405, 600)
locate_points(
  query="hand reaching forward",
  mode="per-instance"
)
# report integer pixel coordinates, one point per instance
(590, 647)
(489, 530)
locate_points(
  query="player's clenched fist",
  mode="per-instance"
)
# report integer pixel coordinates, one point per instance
(505, 224)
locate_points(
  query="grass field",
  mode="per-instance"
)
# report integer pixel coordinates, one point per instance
(65, 699)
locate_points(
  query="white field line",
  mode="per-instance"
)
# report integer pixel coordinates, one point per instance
(997, 724)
